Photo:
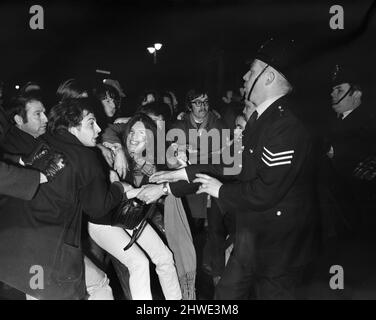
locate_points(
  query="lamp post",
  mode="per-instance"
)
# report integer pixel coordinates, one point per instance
(153, 50)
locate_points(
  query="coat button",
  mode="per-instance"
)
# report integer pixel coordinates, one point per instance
(279, 213)
(242, 147)
(250, 150)
(240, 165)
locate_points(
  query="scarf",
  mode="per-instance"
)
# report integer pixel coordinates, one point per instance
(180, 241)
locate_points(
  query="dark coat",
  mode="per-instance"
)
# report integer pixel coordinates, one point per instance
(352, 139)
(46, 231)
(273, 194)
(18, 182)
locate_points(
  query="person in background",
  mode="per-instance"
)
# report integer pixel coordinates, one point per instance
(240, 122)
(109, 104)
(349, 140)
(169, 98)
(71, 88)
(149, 96)
(229, 109)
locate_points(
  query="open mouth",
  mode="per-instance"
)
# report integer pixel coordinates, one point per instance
(133, 144)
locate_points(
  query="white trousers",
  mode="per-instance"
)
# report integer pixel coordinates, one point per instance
(97, 283)
(114, 239)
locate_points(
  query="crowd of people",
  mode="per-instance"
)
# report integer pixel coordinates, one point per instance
(69, 172)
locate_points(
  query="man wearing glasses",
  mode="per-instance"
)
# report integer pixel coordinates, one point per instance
(196, 123)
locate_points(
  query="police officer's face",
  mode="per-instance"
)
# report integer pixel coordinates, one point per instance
(249, 78)
(346, 103)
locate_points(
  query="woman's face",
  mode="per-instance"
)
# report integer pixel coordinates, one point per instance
(136, 140)
(109, 106)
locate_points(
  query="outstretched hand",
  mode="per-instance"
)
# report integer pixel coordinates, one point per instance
(169, 176)
(208, 185)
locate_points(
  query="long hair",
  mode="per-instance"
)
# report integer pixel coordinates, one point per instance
(150, 152)
(102, 92)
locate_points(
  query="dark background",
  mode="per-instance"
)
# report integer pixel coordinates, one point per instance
(204, 42)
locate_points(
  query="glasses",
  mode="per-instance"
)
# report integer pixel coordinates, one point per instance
(199, 103)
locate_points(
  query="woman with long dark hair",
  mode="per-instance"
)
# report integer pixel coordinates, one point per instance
(139, 142)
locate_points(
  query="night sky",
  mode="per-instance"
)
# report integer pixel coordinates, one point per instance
(204, 42)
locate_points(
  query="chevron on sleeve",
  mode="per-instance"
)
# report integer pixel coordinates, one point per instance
(277, 159)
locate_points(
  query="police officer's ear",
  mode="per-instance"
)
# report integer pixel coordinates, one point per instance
(270, 76)
(357, 95)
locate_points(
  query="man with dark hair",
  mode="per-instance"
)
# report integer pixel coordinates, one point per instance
(27, 114)
(46, 231)
(14, 181)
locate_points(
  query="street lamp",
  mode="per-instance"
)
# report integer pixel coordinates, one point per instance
(153, 50)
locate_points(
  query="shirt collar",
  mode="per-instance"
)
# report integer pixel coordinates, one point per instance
(346, 113)
(266, 104)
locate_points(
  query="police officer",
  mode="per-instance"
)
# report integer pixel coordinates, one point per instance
(272, 197)
(351, 140)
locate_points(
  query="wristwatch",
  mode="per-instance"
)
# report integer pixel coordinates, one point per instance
(165, 188)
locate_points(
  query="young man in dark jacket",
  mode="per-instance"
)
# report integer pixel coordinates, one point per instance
(45, 233)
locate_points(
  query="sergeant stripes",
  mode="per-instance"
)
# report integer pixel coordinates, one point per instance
(277, 159)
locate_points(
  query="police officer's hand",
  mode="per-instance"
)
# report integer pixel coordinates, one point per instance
(209, 185)
(366, 170)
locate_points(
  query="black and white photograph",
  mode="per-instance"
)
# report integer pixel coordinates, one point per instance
(192, 152)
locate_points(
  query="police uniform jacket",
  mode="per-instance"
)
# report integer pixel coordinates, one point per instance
(273, 193)
(352, 139)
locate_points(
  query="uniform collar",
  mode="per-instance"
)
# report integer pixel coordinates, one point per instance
(266, 104)
(346, 113)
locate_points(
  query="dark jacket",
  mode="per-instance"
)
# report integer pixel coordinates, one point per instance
(273, 194)
(46, 231)
(18, 182)
(352, 139)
